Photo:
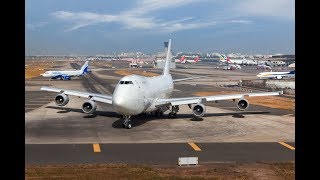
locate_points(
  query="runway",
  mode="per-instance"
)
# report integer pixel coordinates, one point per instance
(65, 135)
(156, 153)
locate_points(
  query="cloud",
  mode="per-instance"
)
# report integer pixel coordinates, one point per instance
(34, 26)
(134, 18)
(283, 9)
(240, 21)
(148, 6)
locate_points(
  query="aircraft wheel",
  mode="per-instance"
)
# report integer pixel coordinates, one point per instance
(129, 126)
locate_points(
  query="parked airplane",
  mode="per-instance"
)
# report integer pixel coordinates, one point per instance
(135, 94)
(264, 66)
(67, 74)
(185, 59)
(230, 65)
(276, 75)
(243, 61)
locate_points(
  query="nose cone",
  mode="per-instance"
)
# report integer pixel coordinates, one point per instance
(127, 105)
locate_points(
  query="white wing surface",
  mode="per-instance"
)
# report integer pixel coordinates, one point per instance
(94, 96)
(201, 99)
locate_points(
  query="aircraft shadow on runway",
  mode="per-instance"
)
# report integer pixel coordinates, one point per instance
(96, 113)
(142, 119)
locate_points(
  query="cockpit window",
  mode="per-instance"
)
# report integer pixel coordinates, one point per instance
(126, 82)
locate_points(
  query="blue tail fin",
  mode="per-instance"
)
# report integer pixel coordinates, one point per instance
(292, 72)
(84, 68)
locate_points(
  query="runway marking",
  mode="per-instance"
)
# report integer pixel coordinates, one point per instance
(287, 145)
(96, 148)
(194, 146)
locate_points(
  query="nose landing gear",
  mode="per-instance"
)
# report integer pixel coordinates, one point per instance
(126, 122)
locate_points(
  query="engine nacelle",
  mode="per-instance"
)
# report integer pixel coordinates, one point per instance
(243, 104)
(198, 109)
(89, 107)
(61, 99)
(279, 77)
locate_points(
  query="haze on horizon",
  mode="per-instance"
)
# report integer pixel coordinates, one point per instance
(104, 27)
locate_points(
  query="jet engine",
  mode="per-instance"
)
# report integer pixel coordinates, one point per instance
(243, 104)
(89, 107)
(279, 77)
(198, 109)
(61, 99)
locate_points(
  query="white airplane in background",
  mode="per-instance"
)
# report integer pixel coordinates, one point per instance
(135, 94)
(67, 74)
(276, 75)
(263, 66)
(184, 59)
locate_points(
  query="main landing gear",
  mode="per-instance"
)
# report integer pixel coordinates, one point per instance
(126, 122)
(174, 110)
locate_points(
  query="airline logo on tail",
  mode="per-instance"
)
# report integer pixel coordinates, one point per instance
(196, 59)
(228, 59)
(182, 59)
(84, 68)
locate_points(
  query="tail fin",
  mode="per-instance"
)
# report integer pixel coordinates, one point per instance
(228, 59)
(84, 68)
(292, 72)
(196, 59)
(166, 69)
(182, 58)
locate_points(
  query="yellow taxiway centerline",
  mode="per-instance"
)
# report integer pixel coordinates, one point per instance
(96, 148)
(287, 145)
(194, 146)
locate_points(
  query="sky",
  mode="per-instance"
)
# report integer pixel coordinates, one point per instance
(91, 27)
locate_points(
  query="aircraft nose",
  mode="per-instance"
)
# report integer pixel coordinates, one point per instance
(126, 105)
(119, 104)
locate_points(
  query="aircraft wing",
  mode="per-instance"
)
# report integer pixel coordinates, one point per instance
(201, 99)
(184, 79)
(94, 96)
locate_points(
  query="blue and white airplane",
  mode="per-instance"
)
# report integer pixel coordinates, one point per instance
(67, 74)
(276, 75)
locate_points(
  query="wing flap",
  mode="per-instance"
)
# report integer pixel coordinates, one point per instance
(200, 99)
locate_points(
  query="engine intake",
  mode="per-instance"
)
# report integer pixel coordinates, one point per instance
(243, 104)
(89, 107)
(61, 99)
(198, 110)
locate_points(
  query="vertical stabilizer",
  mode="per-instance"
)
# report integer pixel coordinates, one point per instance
(84, 68)
(166, 69)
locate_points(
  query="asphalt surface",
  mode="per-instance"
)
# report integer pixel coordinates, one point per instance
(156, 153)
(58, 135)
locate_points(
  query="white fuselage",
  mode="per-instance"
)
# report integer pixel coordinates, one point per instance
(57, 73)
(136, 94)
(278, 75)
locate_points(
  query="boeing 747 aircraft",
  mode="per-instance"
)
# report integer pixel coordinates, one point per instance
(135, 94)
(66, 75)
